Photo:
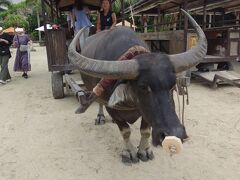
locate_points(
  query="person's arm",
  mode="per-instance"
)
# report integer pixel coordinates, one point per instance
(4, 40)
(15, 43)
(69, 20)
(73, 18)
(114, 20)
(29, 40)
(98, 23)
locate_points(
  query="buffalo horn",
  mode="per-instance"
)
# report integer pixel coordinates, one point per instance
(101, 68)
(193, 56)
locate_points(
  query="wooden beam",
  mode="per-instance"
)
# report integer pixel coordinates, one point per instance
(185, 25)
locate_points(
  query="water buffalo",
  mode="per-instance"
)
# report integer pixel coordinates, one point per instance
(150, 77)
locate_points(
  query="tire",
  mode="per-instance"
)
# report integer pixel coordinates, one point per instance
(57, 85)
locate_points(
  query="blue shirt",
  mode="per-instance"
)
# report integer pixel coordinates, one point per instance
(82, 19)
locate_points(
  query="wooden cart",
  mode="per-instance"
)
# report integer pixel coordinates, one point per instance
(56, 43)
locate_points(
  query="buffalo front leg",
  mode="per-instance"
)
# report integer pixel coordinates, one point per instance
(144, 150)
(129, 154)
(100, 120)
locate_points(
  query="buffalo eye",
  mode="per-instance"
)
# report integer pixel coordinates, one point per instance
(145, 88)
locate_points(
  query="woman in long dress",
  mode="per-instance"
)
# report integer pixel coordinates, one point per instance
(22, 61)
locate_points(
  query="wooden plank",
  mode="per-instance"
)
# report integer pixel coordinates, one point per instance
(73, 84)
(208, 76)
(220, 77)
(231, 75)
(215, 59)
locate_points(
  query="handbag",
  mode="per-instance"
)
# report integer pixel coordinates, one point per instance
(22, 47)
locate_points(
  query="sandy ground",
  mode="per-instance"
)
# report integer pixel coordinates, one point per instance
(42, 139)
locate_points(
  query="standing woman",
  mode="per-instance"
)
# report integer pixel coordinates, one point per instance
(22, 62)
(106, 19)
(5, 43)
(81, 20)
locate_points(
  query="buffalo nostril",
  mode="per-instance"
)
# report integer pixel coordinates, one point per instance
(157, 137)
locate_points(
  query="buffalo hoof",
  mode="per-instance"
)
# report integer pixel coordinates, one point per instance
(129, 157)
(145, 155)
(100, 120)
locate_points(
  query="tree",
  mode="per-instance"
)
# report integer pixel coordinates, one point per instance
(5, 3)
(37, 8)
(13, 20)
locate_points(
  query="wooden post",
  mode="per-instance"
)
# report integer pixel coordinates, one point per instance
(142, 23)
(204, 15)
(210, 21)
(223, 13)
(145, 24)
(163, 21)
(122, 9)
(237, 18)
(159, 18)
(155, 23)
(214, 18)
(185, 25)
(180, 18)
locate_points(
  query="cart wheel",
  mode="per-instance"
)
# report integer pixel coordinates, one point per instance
(57, 85)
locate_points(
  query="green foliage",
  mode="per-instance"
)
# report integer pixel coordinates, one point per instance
(34, 4)
(13, 20)
(117, 4)
(32, 20)
(34, 35)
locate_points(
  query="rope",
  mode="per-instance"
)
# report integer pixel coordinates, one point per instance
(185, 92)
(179, 107)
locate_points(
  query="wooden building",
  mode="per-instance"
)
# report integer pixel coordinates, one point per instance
(220, 20)
(217, 18)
